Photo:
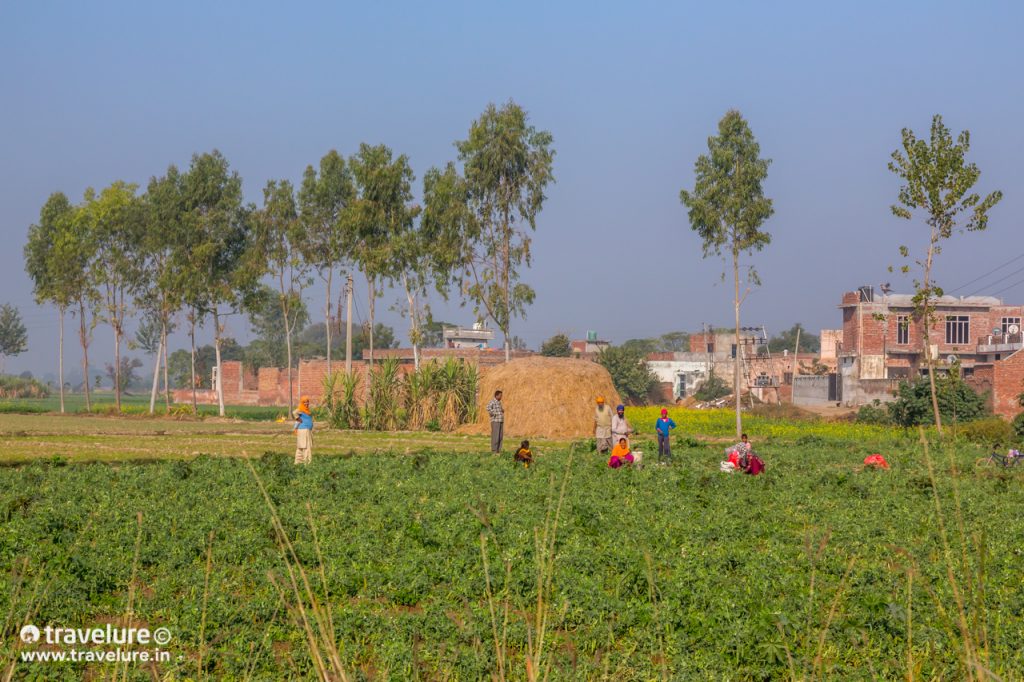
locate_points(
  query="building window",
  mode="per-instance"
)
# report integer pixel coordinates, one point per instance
(958, 329)
(1009, 322)
(902, 330)
(711, 348)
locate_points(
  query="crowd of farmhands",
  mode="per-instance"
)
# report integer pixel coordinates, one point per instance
(612, 433)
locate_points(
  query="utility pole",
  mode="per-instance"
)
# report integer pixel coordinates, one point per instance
(348, 325)
(796, 363)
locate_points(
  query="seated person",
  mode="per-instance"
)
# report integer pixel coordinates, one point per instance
(621, 455)
(524, 454)
(736, 453)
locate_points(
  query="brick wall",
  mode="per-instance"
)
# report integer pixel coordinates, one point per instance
(1007, 384)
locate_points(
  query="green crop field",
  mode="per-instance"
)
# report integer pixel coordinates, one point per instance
(427, 558)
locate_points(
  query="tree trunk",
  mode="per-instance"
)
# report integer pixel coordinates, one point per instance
(117, 367)
(927, 332)
(216, 350)
(167, 385)
(60, 359)
(348, 326)
(192, 334)
(413, 325)
(327, 319)
(288, 347)
(372, 284)
(736, 359)
(506, 267)
(156, 376)
(83, 337)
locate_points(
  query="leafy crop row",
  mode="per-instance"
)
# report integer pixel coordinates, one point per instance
(680, 571)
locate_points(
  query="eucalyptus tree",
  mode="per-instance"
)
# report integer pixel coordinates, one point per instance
(507, 164)
(160, 295)
(214, 257)
(115, 219)
(49, 276)
(278, 235)
(727, 208)
(13, 335)
(379, 214)
(937, 182)
(323, 199)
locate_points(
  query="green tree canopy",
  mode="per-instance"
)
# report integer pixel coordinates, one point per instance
(786, 340)
(727, 208)
(937, 182)
(13, 335)
(558, 346)
(507, 165)
(632, 377)
(325, 245)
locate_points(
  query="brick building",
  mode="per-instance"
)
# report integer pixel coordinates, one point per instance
(883, 339)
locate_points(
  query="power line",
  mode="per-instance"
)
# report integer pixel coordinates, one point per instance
(1011, 286)
(1004, 278)
(983, 276)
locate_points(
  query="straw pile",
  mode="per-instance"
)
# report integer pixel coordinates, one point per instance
(544, 397)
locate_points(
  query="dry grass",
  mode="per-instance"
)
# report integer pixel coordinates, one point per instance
(545, 397)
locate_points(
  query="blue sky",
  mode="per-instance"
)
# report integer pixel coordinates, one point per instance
(94, 92)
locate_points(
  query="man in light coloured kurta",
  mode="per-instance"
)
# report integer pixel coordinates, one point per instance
(621, 427)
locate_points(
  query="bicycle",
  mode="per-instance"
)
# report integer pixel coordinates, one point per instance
(1003, 461)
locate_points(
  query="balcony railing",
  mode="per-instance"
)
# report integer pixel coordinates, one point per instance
(1000, 343)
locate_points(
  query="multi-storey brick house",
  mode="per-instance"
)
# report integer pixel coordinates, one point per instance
(884, 338)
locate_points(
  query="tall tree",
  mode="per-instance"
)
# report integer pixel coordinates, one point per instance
(727, 208)
(115, 219)
(379, 214)
(218, 273)
(507, 164)
(160, 294)
(49, 276)
(937, 182)
(323, 199)
(13, 335)
(277, 240)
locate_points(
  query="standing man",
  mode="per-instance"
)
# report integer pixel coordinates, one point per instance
(620, 425)
(497, 412)
(663, 426)
(303, 432)
(603, 426)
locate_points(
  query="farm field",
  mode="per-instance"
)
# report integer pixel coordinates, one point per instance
(811, 571)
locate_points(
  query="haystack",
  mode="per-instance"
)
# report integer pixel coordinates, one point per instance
(545, 397)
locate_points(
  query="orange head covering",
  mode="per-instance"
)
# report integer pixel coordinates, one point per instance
(304, 404)
(600, 400)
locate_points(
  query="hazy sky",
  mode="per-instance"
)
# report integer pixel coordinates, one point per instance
(99, 91)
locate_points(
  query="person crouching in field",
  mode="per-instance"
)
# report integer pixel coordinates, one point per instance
(303, 432)
(663, 426)
(524, 454)
(603, 426)
(622, 456)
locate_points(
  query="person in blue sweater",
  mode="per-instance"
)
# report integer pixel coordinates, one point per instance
(303, 433)
(662, 427)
